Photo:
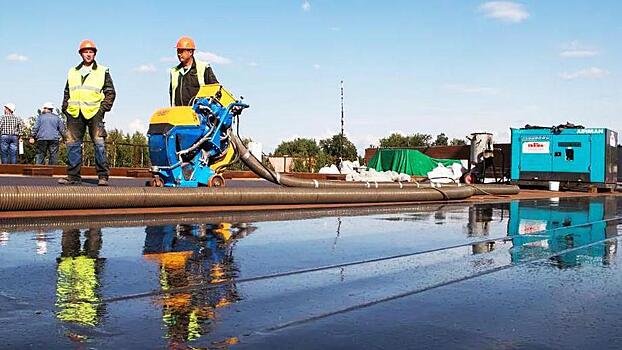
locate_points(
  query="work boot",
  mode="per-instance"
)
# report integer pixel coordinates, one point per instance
(102, 181)
(69, 182)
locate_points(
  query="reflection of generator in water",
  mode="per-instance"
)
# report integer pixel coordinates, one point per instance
(189, 146)
(540, 228)
(571, 155)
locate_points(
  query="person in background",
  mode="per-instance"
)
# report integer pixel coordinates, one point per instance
(46, 133)
(11, 127)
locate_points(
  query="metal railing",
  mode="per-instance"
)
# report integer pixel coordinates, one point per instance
(120, 154)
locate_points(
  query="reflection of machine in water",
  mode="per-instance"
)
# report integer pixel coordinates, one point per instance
(194, 256)
(78, 275)
(538, 229)
(481, 217)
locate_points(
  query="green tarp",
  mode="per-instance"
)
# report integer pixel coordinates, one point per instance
(409, 161)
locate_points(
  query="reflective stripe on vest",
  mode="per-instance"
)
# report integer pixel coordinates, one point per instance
(201, 67)
(85, 97)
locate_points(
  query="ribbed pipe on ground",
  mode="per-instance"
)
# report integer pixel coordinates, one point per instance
(297, 191)
(255, 165)
(56, 198)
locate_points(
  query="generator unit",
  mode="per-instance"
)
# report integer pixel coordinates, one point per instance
(570, 155)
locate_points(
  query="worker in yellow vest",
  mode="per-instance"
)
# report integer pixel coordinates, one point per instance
(89, 94)
(189, 75)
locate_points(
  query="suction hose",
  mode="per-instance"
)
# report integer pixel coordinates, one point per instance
(257, 167)
(58, 198)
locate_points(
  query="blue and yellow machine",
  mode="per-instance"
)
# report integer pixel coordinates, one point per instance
(570, 155)
(189, 146)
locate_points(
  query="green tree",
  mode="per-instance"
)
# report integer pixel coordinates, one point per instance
(441, 140)
(118, 154)
(401, 141)
(140, 151)
(457, 142)
(331, 146)
(300, 147)
(323, 160)
(300, 165)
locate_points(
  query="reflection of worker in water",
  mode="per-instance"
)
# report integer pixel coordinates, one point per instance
(78, 271)
(480, 217)
(194, 256)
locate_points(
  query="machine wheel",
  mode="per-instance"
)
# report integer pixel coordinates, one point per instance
(216, 181)
(155, 182)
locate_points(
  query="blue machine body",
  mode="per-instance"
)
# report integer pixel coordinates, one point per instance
(587, 155)
(184, 145)
(541, 229)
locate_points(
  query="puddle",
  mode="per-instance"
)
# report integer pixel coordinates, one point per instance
(218, 284)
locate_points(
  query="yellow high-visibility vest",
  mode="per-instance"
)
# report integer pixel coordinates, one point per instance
(86, 97)
(201, 67)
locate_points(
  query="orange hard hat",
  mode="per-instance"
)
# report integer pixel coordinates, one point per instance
(87, 44)
(186, 42)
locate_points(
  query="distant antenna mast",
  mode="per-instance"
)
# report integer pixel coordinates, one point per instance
(341, 135)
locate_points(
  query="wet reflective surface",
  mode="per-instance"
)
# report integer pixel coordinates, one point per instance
(537, 274)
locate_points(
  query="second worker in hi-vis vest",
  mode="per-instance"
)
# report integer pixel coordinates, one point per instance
(189, 75)
(89, 94)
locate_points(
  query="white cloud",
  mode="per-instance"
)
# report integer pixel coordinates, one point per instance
(335, 29)
(578, 53)
(253, 64)
(212, 57)
(575, 50)
(145, 68)
(466, 89)
(364, 141)
(306, 6)
(202, 55)
(588, 73)
(15, 57)
(505, 11)
(316, 66)
(136, 125)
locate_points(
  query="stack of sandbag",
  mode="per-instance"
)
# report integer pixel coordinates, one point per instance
(443, 174)
(354, 172)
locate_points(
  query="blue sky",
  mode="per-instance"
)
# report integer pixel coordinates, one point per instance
(409, 66)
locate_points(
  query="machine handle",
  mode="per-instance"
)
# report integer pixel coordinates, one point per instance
(236, 108)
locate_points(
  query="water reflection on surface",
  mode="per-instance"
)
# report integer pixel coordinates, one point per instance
(539, 230)
(78, 278)
(190, 274)
(191, 256)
